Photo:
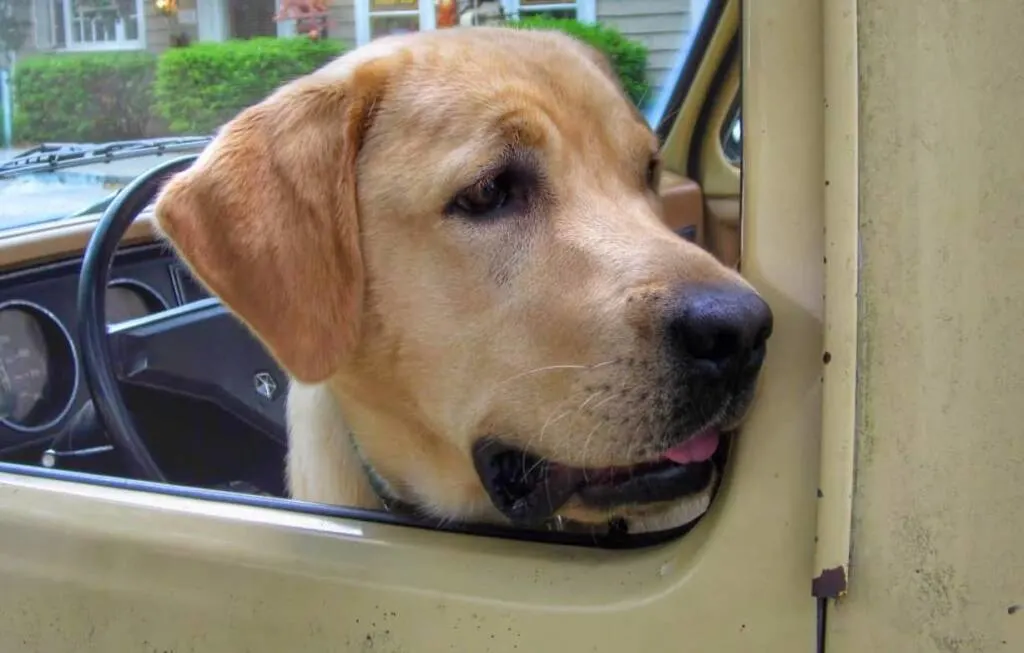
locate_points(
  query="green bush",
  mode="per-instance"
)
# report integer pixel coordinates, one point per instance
(83, 97)
(628, 57)
(202, 86)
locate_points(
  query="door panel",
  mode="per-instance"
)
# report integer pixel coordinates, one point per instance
(723, 229)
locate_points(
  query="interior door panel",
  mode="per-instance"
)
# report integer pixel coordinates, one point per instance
(723, 229)
(683, 206)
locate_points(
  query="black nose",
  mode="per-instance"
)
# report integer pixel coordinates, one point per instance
(726, 326)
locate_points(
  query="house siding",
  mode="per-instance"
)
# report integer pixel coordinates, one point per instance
(40, 38)
(158, 28)
(661, 25)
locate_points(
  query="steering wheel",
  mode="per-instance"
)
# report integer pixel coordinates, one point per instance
(180, 351)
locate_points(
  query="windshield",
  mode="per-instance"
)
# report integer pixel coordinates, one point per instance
(151, 75)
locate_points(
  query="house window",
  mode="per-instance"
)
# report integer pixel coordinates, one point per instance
(376, 18)
(582, 10)
(98, 24)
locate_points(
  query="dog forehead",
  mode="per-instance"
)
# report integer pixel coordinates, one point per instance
(475, 61)
(485, 86)
(454, 81)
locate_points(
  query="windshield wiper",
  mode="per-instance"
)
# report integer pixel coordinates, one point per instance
(56, 156)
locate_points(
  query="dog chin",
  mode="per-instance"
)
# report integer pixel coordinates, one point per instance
(649, 518)
(530, 491)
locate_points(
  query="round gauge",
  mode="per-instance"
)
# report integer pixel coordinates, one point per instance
(130, 300)
(38, 367)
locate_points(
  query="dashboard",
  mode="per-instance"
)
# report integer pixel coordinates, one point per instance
(41, 383)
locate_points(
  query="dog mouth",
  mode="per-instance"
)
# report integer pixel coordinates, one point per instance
(529, 489)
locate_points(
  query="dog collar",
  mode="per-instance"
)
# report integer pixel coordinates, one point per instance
(380, 486)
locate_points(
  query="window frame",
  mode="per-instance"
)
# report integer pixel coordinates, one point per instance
(70, 45)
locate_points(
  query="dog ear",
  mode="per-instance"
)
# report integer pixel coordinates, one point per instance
(267, 216)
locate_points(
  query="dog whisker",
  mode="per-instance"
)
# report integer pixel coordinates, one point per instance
(603, 401)
(540, 461)
(586, 445)
(587, 401)
(556, 368)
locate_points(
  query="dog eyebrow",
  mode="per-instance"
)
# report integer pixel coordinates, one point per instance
(519, 128)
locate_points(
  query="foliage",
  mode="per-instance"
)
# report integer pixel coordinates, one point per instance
(83, 97)
(201, 87)
(628, 57)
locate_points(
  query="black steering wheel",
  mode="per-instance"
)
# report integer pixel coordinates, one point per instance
(192, 349)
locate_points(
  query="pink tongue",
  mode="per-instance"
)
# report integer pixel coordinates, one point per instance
(697, 449)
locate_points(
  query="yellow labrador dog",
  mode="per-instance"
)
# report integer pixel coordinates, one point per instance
(452, 242)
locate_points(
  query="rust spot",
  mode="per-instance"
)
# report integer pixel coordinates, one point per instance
(827, 357)
(1014, 609)
(829, 584)
(821, 494)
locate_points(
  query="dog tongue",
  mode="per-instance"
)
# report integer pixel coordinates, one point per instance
(695, 450)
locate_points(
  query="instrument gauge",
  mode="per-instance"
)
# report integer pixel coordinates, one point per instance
(38, 367)
(128, 299)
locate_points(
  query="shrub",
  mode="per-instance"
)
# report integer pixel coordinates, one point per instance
(200, 87)
(83, 97)
(628, 57)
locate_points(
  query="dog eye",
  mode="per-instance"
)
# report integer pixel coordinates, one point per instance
(483, 198)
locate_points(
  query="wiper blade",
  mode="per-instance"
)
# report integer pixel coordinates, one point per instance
(55, 156)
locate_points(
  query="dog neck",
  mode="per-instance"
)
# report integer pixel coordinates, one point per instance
(390, 498)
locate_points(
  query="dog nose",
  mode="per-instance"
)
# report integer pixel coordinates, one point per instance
(727, 327)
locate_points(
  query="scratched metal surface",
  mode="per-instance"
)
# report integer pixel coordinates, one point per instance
(938, 528)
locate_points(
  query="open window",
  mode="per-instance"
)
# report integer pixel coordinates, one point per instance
(212, 423)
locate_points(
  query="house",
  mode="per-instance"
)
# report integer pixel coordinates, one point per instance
(91, 25)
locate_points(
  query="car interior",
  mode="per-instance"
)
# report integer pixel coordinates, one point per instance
(96, 311)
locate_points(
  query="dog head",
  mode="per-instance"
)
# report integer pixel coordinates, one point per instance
(459, 231)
